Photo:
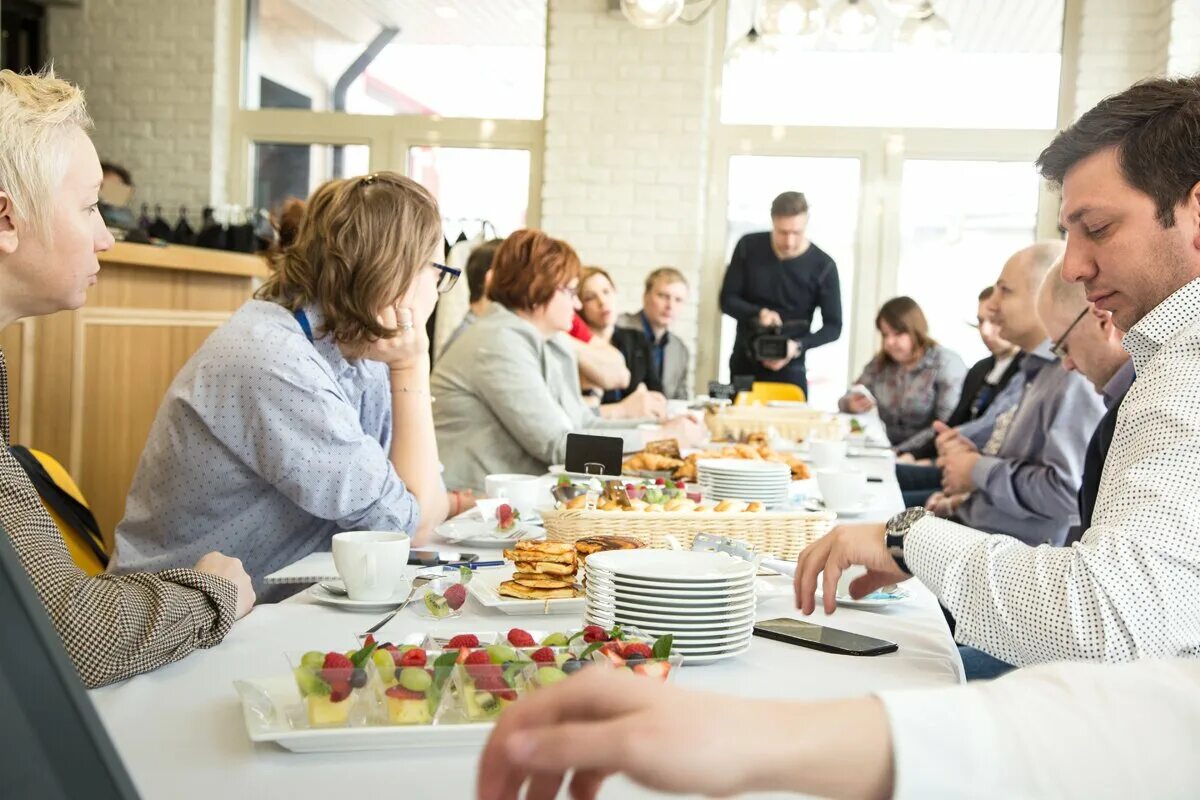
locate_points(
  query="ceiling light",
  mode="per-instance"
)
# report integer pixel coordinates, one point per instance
(852, 23)
(782, 21)
(924, 31)
(652, 14)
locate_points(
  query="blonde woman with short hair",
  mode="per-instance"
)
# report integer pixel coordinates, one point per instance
(309, 411)
(50, 232)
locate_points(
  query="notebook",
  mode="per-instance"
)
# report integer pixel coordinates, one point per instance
(313, 568)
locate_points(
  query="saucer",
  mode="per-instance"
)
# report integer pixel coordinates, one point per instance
(849, 511)
(322, 595)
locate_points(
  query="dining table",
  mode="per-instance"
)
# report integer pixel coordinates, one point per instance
(181, 733)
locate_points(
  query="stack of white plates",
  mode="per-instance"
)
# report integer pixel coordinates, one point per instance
(705, 600)
(765, 482)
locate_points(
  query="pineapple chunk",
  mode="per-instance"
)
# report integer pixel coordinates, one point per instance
(324, 713)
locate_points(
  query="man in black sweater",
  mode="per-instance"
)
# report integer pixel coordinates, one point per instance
(778, 278)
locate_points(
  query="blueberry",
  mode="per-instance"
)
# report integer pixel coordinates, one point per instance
(358, 678)
(635, 659)
(572, 665)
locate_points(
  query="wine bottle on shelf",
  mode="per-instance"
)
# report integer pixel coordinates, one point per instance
(183, 233)
(160, 228)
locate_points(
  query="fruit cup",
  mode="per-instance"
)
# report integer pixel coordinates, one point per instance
(331, 683)
(444, 598)
(488, 680)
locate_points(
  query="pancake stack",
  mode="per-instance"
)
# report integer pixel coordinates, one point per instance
(544, 571)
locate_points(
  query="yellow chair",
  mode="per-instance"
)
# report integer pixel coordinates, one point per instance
(763, 392)
(86, 552)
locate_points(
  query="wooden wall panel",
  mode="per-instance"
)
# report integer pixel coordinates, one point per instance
(126, 372)
(12, 341)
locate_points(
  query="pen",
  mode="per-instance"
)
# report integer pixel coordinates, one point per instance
(473, 564)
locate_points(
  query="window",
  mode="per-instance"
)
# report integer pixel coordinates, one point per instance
(954, 242)
(433, 58)
(283, 170)
(831, 186)
(474, 186)
(1001, 71)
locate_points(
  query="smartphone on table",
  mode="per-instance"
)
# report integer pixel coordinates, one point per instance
(818, 637)
(434, 558)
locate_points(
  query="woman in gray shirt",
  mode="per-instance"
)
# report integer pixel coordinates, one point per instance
(508, 391)
(913, 380)
(308, 412)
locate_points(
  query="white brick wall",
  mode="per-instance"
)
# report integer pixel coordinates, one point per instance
(626, 149)
(1183, 49)
(1120, 42)
(149, 70)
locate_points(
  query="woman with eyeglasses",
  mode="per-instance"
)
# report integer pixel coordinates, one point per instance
(309, 411)
(508, 391)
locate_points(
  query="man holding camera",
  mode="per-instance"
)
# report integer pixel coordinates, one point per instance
(774, 283)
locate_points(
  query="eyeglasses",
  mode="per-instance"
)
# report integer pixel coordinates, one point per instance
(447, 277)
(1060, 347)
(569, 291)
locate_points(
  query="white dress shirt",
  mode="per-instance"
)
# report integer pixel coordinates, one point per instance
(1128, 589)
(1058, 730)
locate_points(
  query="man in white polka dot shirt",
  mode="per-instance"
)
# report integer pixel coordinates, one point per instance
(1130, 176)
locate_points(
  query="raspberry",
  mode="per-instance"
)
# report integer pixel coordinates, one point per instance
(544, 656)
(594, 633)
(336, 669)
(455, 596)
(339, 691)
(478, 657)
(413, 658)
(400, 693)
(520, 638)
(637, 649)
(334, 660)
(463, 640)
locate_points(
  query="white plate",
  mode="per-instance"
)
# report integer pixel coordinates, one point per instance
(641, 595)
(478, 533)
(604, 594)
(670, 625)
(698, 589)
(264, 704)
(741, 466)
(873, 600)
(322, 595)
(669, 566)
(650, 617)
(733, 640)
(694, 660)
(485, 588)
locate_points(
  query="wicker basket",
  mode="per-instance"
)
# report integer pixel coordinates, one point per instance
(797, 424)
(784, 534)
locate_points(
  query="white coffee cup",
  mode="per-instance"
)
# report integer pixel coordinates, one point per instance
(827, 453)
(523, 492)
(842, 489)
(372, 564)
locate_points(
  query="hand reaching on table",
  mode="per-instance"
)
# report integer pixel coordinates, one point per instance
(603, 721)
(230, 569)
(843, 547)
(685, 430)
(640, 404)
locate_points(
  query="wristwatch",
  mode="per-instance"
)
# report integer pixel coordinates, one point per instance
(897, 528)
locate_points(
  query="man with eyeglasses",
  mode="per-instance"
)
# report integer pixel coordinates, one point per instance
(1025, 481)
(1089, 342)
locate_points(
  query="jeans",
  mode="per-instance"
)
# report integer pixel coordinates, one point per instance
(979, 666)
(917, 483)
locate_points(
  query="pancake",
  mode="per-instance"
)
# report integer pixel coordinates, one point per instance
(533, 580)
(545, 567)
(514, 589)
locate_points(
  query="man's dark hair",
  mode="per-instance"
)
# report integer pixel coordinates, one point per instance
(789, 204)
(986, 293)
(116, 169)
(478, 264)
(1154, 126)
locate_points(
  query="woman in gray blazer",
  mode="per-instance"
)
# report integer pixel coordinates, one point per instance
(508, 391)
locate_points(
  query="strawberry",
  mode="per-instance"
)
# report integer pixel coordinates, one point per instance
(455, 596)
(463, 640)
(637, 649)
(339, 691)
(544, 656)
(336, 669)
(400, 693)
(478, 657)
(369, 641)
(520, 638)
(413, 658)
(653, 669)
(679, 485)
(506, 694)
(660, 481)
(487, 675)
(594, 633)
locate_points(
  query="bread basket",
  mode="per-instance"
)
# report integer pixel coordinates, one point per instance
(783, 533)
(797, 424)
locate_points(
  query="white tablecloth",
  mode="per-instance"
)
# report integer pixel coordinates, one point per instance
(181, 734)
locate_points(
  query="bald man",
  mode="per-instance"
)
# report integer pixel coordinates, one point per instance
(1089, 342)
(1025, 482)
